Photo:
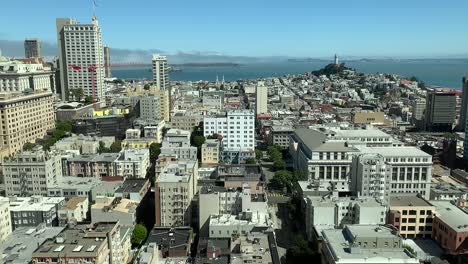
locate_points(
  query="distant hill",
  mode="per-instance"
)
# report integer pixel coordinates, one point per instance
(331, 69)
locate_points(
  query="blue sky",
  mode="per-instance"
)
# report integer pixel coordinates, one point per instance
(397, 28)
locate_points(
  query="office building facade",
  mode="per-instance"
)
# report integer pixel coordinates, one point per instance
(440, 110)
(32, 48)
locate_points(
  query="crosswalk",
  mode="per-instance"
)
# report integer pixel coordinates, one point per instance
(275, 195)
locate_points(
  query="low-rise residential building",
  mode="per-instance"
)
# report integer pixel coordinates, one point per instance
(35, 210)
(96, 243)
(31, 172)
(20, 245)
(411, 215)
(133, 189)
(210, 152)
(172, 242)
(226, 225)
(177, 143)
(132, 163)
(216, 200)
(70, 187)
(185, 120)
(75, 210)
(324, 212)
(111, 209)
(450, 227)
(255, 246)
(174, 191)
(364, 244)
(84, 144)
(5, 219)
(134, 140)
(279, 136)
(237, 176)
(93, 166)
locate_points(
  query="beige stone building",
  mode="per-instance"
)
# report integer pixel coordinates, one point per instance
(24, 118)
(210, 152)
(164, 104)
(411, 215)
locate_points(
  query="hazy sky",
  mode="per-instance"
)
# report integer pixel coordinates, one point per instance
(408, 28)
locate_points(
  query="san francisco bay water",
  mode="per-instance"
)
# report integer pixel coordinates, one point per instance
(446, 73)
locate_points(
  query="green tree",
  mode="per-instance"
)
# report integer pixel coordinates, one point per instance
(139, 234)
(198, 141)
(155, 150)
(146, 86)
(102, 147)
(250, 161)
(63, 125)
(281, 179)
(116, 146)
(278, 164)
(89, 99)
(28, 146)
(258, 154)
(302, 252)
(77, 94)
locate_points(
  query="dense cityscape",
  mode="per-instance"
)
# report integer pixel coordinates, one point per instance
(331, 166)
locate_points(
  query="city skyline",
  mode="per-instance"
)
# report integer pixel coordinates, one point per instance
(365, 29)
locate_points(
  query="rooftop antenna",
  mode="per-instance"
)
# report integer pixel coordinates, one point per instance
(94, 3)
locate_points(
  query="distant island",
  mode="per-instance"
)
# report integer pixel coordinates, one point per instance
(207, 64)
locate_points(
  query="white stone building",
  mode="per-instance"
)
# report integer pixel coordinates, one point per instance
(17, 76)
(177, 143)
(238, 131)
(132, 163)
(411, 169)
(333, 212)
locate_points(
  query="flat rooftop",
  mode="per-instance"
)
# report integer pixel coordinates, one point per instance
(21, 243)
(402, 151)
(408, 200)
(80, 241)
(339, 246)
(450, 214)
(132, 185)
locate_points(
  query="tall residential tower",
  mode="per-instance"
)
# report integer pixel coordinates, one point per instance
(160, 72)
(81, 56)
